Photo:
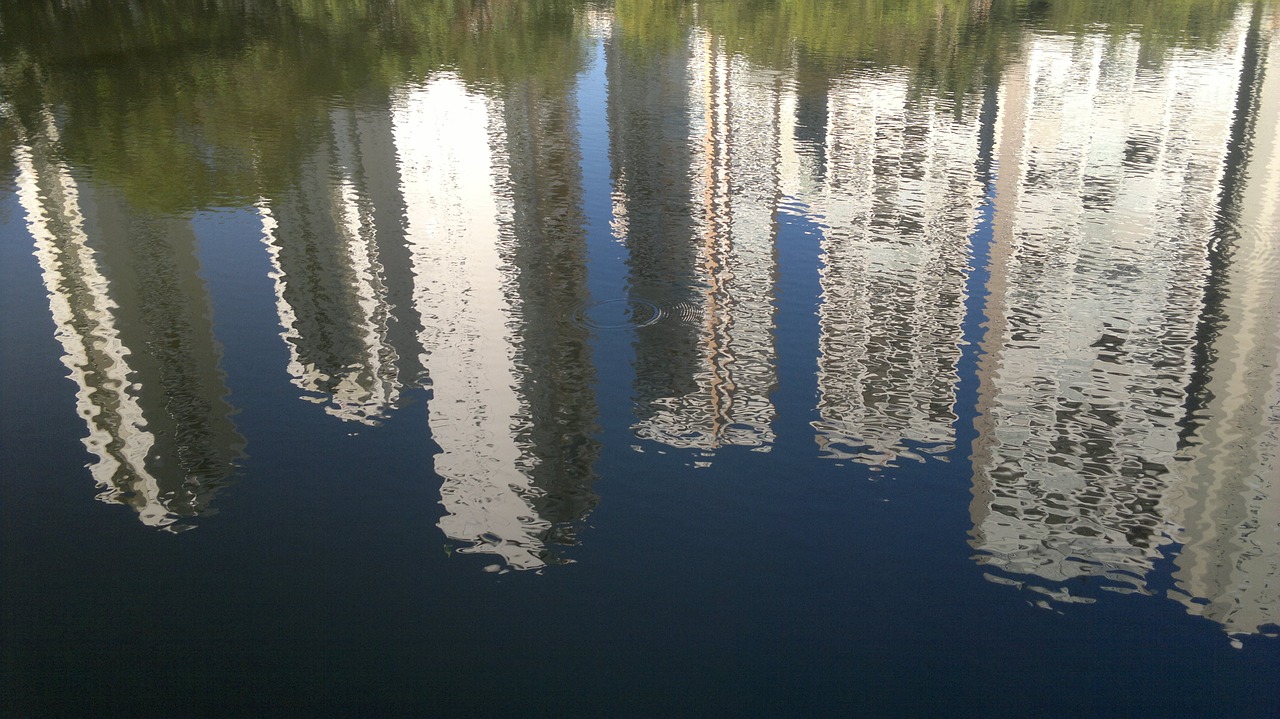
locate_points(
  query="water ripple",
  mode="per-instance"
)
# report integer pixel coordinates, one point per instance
(617, 314)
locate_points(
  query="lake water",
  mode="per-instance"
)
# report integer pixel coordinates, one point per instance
(547, 358)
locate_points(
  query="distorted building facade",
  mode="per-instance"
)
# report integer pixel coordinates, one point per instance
(898, 199)
(493, 204)
(1224, 508)
(724, 151)
(329, 236)
(1088, 463)
(132, 316)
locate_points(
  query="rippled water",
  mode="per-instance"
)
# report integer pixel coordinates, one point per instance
(647, 358)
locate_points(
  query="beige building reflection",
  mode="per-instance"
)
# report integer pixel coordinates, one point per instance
(491, 196)
(133, 318)
(709, 385)
(1087, 463)
(898, 199)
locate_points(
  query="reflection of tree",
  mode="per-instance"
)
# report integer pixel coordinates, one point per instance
(943, 44)
(187, 103)
(1158, 26)
(178, 105)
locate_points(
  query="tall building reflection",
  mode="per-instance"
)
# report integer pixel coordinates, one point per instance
(1086, 463)
(328, 236)
(1225, 505)
(494, 224)
(898, 197)
(545, 230)
(703, 380)
(133, 318)
(649, 131)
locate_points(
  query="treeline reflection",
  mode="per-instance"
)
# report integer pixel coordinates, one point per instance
(418, 177)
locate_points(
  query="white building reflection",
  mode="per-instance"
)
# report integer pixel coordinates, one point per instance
(1088, 463)
(491, 196)
(437, 239)
(133, 320)
(1225, 504)
(463, 292)
(898, 200)
(891, 180)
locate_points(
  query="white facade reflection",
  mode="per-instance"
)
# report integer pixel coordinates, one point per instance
(1224, 507)
(463, 292)
(1087, 462)
(92, 352)
(438, 240)
(898, 200)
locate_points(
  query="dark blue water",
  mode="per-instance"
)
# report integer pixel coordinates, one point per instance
(640, 360)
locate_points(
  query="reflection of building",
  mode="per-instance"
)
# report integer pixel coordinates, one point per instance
(649, 134)
(542, 183)
(493, 207)
(1093, 302)
(1226, 502)
(329, 237)
(899, 200)
(139, 346)
(730, 169)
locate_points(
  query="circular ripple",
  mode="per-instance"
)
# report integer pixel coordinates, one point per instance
(618, 314)
(690, 312)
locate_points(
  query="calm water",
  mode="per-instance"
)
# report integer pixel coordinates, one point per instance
(545, 358)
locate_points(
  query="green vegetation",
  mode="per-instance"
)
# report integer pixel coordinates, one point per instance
(1163, 24)
(944, 44)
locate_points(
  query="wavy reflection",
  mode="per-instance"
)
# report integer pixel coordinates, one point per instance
(326, 236)
(132, 316)
(1225, 507)
(417, 179)
(703, 382)
(493, 204)
(545, 226)
(898, 196)
(1084, 467)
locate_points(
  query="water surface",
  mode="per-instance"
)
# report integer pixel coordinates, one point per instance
(556, 358)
